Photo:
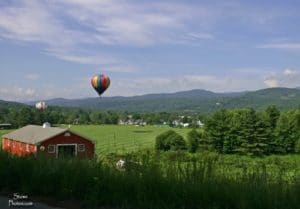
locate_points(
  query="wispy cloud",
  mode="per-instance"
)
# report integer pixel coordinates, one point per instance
(271, 82)
(69, 34)
(286, 78)
(32, 77)
(180, 83)
(17, 93)
(287, 46)
(74, 25)
(144, 85)
(102, 22)
(290, 72)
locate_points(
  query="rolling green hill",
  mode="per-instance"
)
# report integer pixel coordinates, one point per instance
(284, 98)
(189, 101)
(10, 104)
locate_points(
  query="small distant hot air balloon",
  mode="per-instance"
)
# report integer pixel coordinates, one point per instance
(41, 105)
(100, 83)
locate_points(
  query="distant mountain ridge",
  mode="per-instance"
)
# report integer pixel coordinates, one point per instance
(197, 100)
(10, 103)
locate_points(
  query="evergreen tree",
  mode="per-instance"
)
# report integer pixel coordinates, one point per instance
(232, 141)
(272, 114)
(217, 128)
(247, 131)
(262, 135)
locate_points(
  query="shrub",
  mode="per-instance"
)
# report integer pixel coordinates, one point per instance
(170, 140)
(193, 139)
(297, 146)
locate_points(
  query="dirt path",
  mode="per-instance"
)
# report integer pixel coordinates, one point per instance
(4, 205)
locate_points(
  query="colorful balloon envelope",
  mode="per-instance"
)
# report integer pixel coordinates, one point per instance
(41, 105)
(100, 83)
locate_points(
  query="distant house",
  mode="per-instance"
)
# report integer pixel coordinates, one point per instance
(176, 123)
(200, 124)
(50, 141)
(138, 122)
(185, 124)
(5, 125)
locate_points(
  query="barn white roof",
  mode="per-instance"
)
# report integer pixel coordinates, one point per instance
(33, 134)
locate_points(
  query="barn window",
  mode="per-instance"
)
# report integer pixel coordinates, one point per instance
(67, 134)
(51, 148)
(81, 147)
(27, 147)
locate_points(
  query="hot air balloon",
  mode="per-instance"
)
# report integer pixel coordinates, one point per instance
(100, 83)
(41, 105)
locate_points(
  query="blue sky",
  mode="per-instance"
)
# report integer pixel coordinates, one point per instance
(51, 49)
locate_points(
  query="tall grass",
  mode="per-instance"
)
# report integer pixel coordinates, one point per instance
(155, 181)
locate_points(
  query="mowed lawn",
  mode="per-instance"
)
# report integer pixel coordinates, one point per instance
(121, 138)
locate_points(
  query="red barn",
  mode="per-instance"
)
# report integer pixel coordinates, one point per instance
(51, 141)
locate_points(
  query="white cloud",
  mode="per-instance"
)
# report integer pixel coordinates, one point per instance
(246, 79)
(68, 29)
(32, 77)
(81, 88)
(271, 82)
(286, 78)
(200, 36)
(17, 93)
(139, 86)
(72, 26)
(127, 23)
(99, 22)
(290, 72)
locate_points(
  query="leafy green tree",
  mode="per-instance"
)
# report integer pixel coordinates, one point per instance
(83, 118)
(169, 140)
(193, 138)
(24, 117)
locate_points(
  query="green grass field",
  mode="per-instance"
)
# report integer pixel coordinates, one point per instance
(120, 139)
(2, 132)
(161, 181)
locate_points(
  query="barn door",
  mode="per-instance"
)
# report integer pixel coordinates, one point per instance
(66, 151)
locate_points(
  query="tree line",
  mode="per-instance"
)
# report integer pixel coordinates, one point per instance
(242, 131)
(20, 116)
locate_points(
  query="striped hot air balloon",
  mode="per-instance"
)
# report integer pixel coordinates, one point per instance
(100, 83)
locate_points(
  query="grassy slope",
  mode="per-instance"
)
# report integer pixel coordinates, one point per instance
(2, 132)
(116, 138)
